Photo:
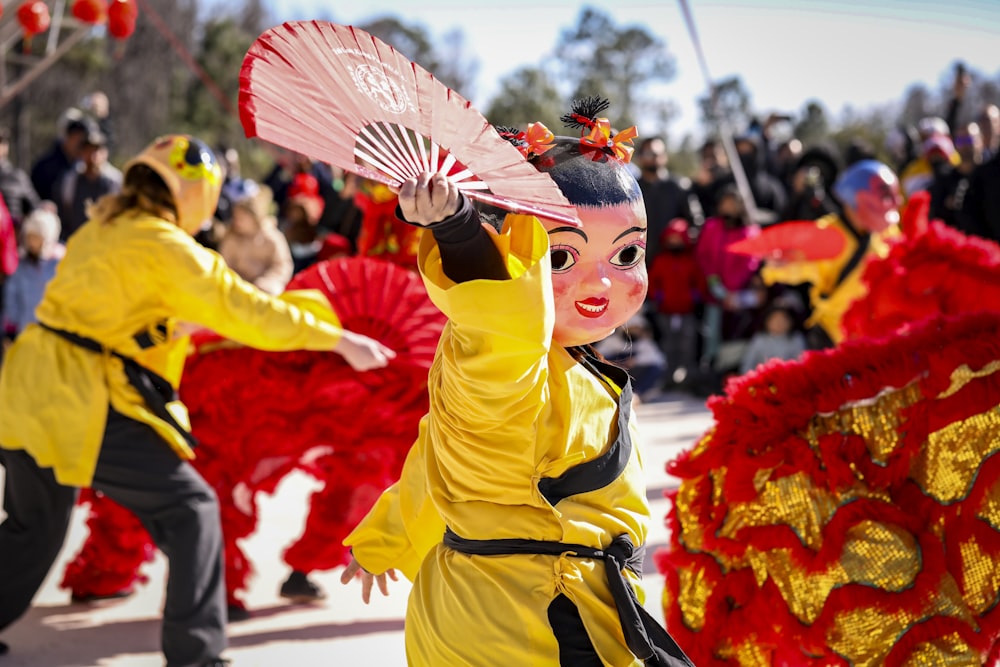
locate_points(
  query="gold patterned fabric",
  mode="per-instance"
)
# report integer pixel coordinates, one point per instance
(953, 455)
(846, 509)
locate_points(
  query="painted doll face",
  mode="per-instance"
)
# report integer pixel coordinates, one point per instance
(598, 271)
(878, 207)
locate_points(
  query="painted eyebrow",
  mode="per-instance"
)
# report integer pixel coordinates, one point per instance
(567, 228)
(630, 230)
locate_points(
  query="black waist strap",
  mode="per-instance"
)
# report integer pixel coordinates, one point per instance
(644, 636)
(155, 390)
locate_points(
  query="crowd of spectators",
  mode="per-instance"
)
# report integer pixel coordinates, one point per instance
(708, 314)
(707, 308)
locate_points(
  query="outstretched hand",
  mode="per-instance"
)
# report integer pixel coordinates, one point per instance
(355, 571)
(363, 353)
(428, 198)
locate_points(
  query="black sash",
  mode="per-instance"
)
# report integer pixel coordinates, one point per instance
(155, 390)
(606, 468)
(864, 242)
(644, 636)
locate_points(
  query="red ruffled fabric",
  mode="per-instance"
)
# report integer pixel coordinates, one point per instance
(260, 415)
(938, 272)
(110, 560)
(351, 431)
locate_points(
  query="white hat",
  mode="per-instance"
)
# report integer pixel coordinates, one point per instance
(45, 223)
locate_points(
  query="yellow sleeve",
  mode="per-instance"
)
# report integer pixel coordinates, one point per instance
(403, 526)
(790, 273)
(198, 286)
(499, 331)
(489, 383)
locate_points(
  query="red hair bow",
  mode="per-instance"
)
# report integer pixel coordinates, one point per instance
(620, 145)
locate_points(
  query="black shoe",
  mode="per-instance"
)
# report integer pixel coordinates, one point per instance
(234, 614)
(117, 595)
(216, 662)
(298, 588)
(4, 649)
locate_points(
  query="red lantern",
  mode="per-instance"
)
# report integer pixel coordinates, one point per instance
(122, 15)
(34, 17)
(91, 11)
(125, 9)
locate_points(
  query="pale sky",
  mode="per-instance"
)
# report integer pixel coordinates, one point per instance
(843, 52)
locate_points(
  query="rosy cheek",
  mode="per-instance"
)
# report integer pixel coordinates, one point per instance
(637, 290)
(633, 284)
(560, 288)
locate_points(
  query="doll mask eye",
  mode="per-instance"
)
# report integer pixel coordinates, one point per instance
(629, 256)
(563, 258)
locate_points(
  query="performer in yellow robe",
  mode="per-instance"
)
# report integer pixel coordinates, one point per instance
(522, 507)
(869, 194)
(87, 396)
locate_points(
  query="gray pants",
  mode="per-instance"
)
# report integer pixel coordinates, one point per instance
(139, 471)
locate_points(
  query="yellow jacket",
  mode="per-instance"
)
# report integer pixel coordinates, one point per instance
(507, 408)
(828, 299)
(135, 274)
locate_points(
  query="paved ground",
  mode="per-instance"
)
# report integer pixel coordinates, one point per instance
(341, 631)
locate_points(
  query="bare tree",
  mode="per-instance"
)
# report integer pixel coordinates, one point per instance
(813, 127)
(729, 102)
(598, 57)
(527, 95)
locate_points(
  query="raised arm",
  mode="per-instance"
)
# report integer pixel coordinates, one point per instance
(467, 251)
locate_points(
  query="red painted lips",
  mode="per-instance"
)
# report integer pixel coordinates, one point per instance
(592, 307)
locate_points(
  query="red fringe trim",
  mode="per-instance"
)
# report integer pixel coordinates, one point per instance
(941, 271)
(110, 559)
(759, 428)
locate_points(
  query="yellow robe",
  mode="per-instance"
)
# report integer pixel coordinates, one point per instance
(119, 279)
(828, 299)
(507, 407)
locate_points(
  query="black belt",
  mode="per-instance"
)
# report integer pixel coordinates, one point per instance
(155, 390)
(644, 636)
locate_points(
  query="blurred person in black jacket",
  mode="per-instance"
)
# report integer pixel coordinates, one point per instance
(980, 213)
(950, 187)
(665, 197)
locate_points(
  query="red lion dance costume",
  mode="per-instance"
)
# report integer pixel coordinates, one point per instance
(843, 510)
(259, 415)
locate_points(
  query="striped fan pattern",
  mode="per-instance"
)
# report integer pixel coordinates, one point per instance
(340, 95)
(381, 300)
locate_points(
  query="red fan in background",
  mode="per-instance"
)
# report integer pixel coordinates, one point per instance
(340, 95)
(381, 300)
(260, 415)
(794, 241)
